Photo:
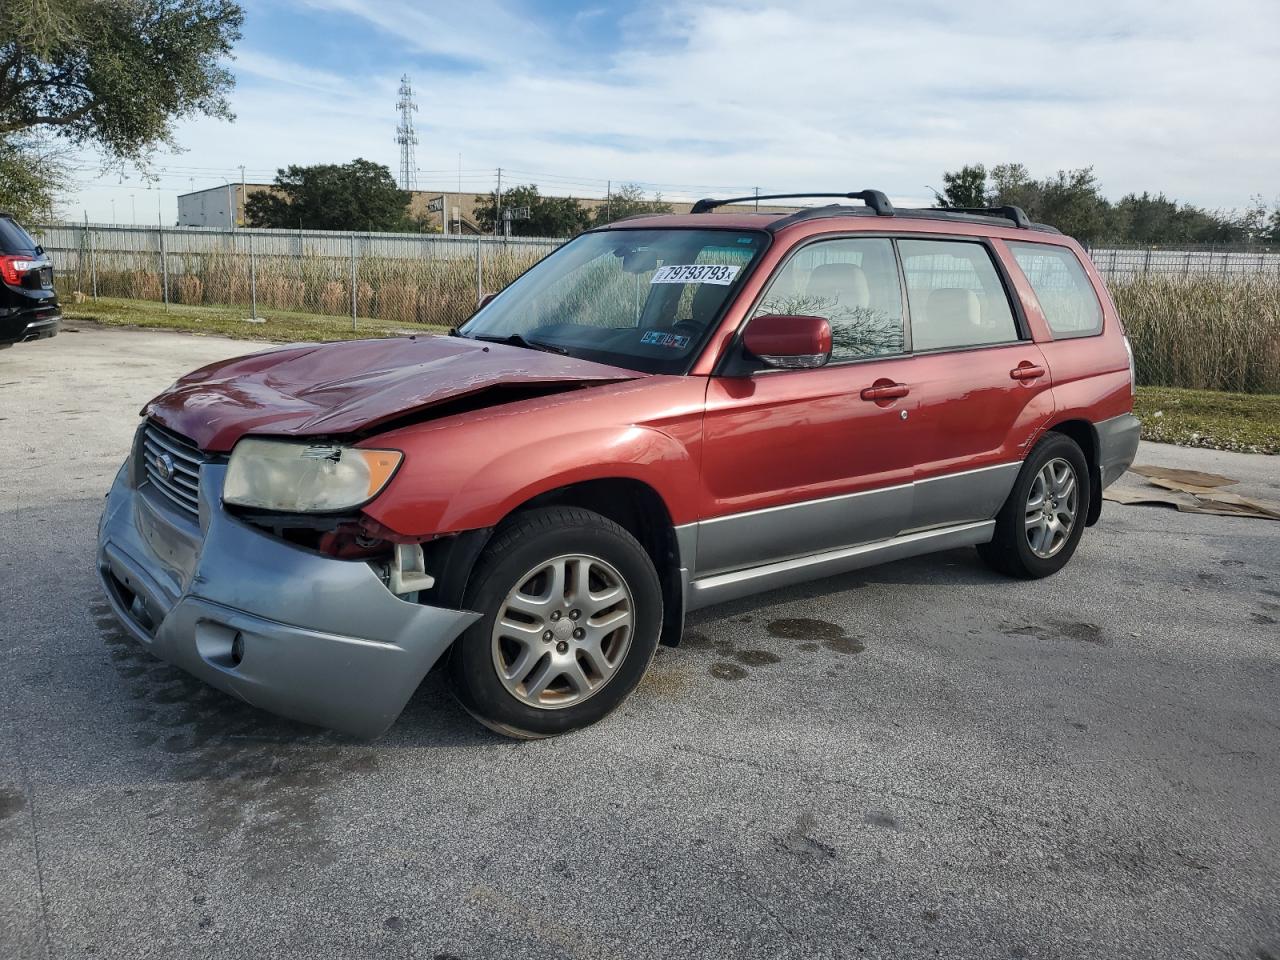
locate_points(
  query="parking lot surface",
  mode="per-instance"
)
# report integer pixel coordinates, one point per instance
(921, 759)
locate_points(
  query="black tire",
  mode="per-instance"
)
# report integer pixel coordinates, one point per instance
(531, 538)
(1010, 551)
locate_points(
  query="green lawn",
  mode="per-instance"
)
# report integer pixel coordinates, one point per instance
(1197, 418)
(1247, 422)
(280, 325)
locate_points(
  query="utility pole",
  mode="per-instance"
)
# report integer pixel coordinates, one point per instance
(497, 210)
(608, 200)
(253, 264)
(757, 191)
(244, 199)
(133, 208)
(405, 135)
(113, 211)
(231, 210)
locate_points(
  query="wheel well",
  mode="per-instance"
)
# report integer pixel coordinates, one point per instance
(1086, 437)
(641, 511)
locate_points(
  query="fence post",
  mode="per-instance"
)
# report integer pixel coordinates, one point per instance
(353, 281)
(93, 262)
(253, 279)
(479, 273)
(164, 267)
(1146, 263)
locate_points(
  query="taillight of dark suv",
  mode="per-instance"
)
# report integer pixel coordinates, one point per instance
(28, 304)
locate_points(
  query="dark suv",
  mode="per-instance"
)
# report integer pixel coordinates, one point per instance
(28, 305)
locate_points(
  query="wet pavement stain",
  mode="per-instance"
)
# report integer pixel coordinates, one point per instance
(880, 818)
(1060, 630)
(756, 658)
(726, 671)
(11, 802)
(830, 635)
(800, 842)
(801, 628)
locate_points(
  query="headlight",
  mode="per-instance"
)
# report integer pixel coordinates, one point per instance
(305, 478)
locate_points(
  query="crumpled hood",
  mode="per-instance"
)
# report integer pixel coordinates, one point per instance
(348, 387)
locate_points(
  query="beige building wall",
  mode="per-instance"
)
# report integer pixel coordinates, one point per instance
(208, 208)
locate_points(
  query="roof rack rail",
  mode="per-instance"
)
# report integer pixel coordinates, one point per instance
(1016, 214)
(874, 199)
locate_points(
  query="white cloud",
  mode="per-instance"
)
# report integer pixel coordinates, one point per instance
(795, 94)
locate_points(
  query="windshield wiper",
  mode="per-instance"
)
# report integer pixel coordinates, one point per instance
(516, 340)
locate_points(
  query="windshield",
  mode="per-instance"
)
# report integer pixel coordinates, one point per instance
(642, 299)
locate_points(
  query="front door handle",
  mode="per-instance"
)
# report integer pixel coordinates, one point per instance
(885, 391)
(1027, 370)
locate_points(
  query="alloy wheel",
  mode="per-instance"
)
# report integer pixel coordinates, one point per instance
(563, 631)
(1052, 506)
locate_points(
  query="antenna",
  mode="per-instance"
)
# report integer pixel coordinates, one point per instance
(405, 135)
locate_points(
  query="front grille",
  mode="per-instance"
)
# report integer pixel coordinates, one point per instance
(167, 453)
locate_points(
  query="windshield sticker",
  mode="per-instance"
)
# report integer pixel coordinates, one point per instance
(718, 273)
(660, 339)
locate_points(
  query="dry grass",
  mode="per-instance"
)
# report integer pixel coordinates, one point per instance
(1204, 332)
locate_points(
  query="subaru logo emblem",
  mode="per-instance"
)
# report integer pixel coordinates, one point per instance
(164, 465)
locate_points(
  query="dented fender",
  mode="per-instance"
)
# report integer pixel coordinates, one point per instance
(470, 471)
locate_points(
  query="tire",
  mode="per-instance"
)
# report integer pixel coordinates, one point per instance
(547, 656)
(1020, 550)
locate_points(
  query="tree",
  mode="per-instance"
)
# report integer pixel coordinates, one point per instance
(966, 187)
(360, 195)
(629, 201)
(1070, 201)
(548, 216)
(114, 74)
(32, 175)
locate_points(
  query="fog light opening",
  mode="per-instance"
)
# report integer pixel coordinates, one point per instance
(237, 649)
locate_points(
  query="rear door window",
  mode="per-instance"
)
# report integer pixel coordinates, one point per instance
(13, 239)
(1067, 298)
(955, 294)
(853, 284)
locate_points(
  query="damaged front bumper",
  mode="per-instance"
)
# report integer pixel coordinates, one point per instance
(291, 631)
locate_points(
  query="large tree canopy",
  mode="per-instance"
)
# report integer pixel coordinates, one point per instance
(360, 195)
(1072, 201)
(548, 216)
(114, 74)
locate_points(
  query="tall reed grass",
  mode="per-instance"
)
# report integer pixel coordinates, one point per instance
(1204, 332)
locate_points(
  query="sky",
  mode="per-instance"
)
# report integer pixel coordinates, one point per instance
(719, 98)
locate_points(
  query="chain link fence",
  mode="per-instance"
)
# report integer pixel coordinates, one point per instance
(1203, 317)
(410, 279)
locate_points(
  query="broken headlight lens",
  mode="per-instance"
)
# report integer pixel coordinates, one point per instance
(305, 478)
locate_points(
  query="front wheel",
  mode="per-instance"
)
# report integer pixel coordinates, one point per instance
(1039, 526)
(571, 613)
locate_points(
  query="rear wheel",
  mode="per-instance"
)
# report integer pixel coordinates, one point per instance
(1039, 526)
(571, 612)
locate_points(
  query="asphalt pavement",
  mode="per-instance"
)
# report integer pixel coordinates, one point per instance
(922, 759)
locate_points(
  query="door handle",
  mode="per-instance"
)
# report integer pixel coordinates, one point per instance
(1027, 370)
(887, 391)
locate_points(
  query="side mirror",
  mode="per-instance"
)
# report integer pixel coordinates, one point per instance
(485, 301)
(789, 342)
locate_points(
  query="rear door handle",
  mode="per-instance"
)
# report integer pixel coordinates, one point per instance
(888, 391)
(1027, 370)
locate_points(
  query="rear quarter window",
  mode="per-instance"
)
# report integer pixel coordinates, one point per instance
(1067, 298)
(13, 239)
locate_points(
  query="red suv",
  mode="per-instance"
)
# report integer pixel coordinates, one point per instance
(665, 413)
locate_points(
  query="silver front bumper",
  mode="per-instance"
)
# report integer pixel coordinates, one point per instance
(322, 640)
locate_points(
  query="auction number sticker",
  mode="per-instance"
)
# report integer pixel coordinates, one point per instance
(720, 274)
(658, 338)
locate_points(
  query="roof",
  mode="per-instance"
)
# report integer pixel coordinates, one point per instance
(774, 222)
